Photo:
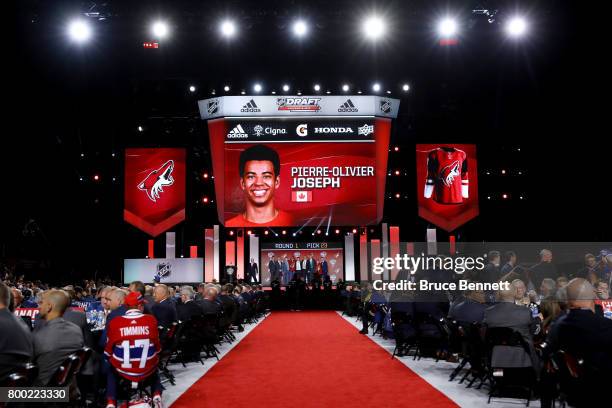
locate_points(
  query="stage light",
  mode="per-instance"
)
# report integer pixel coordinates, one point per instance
(345, 88)
(373, 27)
(140, 129)
(79, 31)
(257, 88)
(521, 197)
(359, 92)
(354, 230)
(376, 87)
(516, 27)
(228, 28)
(318, 231)
(503, 172)
(337, 231)
(226, 88)
(397, 172)
(300, 29)
(266, 232)
(159, 29)
(192, 88)
(96, 177)
(447, 27)
(114, 179)
(405, 87)
(231, 232)
(317, 87)
(249, 232)
(328, 92)
(205, 200)
(396, 148)
(205, 175)
(313, 234)
(82, 155)
(285, 88)
(112, 154)
(504, 196)
(294, 234)
(242, 92)
(80, 178)
(397, 195)
(285, 232)
(388, 92)
(182, 256)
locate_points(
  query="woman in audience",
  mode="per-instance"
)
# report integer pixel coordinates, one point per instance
(550, 309)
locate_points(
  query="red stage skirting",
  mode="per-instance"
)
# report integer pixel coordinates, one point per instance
(310, 359)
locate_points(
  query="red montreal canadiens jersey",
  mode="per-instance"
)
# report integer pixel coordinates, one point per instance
(133, 344)
(447, 173)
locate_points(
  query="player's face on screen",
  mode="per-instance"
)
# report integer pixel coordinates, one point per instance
(259, 182)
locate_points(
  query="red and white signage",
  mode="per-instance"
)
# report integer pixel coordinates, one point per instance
(154, 188)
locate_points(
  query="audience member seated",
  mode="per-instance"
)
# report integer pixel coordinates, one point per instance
(520, 293)
(547, 288)
(551, 310)
(469, 310)
(562, 282)
(115, 305)
(16, 347)
(187, 308)
(208, 303)
(164, 308)
(586, 336)
(506, 313)
(19, 301)
(140, 288)
(57, 339)
(129, 336)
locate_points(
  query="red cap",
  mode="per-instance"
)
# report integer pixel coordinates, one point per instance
(133, 299)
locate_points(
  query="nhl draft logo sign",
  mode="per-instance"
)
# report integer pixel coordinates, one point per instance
(385, 106)
(164, 270)
(154, 188)
(447, 184)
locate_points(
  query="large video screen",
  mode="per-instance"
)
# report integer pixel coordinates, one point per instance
(164, 270)
(327, 259)
(299, 171)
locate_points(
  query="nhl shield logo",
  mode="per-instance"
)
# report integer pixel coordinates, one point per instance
(213, 106)
(164, 269)
(385, 106)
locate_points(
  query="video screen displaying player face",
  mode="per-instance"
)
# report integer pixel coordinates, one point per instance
(295, 172)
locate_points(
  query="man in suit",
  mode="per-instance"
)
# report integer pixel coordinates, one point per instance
(285, 270)
(491, 271)
(506, 313)
(253, 272)
(511, 260)
(139, 287)
(187, 308)
(57, 339)
(544, 269)
(469, 310)
(273, 269)
(298, 267)
(324, 269)
(164, 308)
(209, 305)
(16, 347)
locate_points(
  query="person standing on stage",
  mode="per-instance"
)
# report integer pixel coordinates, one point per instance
(253, 272)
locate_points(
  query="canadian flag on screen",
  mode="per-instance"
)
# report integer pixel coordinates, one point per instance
(301, 196)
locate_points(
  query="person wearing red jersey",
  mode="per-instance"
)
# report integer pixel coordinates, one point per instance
(132, 349)
(259, 169)
(447, 175)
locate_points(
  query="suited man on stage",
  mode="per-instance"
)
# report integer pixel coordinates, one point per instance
(274, 269)
(253, 272)
(324, 269)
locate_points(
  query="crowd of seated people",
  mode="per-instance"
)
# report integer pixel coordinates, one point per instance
(113, 325)
(540, 316)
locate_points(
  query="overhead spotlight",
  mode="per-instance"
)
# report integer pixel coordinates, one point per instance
(285, 232)
(226, 88)
(396, 148)
(300, 28)
(228, 28)
(192, 88)
(294, 234)
(516, 27)
(354, 230)
(257, 88)
(317, 87)
(266, 232)
(140, 129)
(160, 29)
(273, 92)
(405, 87)
(96, 177)
(337, 231)
(447, 27)
(242, 93)
(373, 27)
(79, 31)
(359, 92)
(328, 92)
(345, 88)
(376, 87)
(388, 92)
(231, 232)
(285, 88)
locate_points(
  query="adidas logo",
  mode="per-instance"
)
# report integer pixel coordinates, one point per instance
(237, 133)
(348, 106)
(250, 106)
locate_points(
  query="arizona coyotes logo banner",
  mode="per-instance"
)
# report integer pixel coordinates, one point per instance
(154, 188)
(447, 184)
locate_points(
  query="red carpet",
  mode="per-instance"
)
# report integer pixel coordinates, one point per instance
(309, 359)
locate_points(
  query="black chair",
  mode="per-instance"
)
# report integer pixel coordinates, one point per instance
(23, 376)
(521, 378)
(169, 345)
(474, 353)
(404, 333)
(432, 336)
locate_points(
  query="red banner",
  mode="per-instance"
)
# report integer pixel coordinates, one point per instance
(154, 188)
(447, 184)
